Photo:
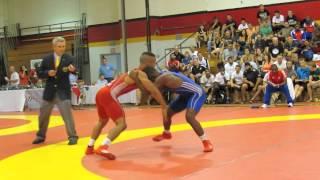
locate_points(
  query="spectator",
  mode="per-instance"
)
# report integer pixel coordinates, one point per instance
(178, 54)
(265, 29)
(14, 80)
(258, 57)
(201, 36)
(277, 21)
(266, 66)
(263, 14)
(303, 73)
(203, 61)
(290, 47)
(101, 81)
(221, 85)
(216, 43)
(292, 19)
(73, 78)
(290, 72)
(281, 63)
(230, 67)
(187, 58)
(216, 25)
(314, 80)
(228, 38)
(298, 34)
(197, 70)
(276, 81)
(236, 82)
(230, 25)
(243, 41)
(207, 81)
(243, 25)
(276, 48)
(306, 51)
(250, 81)
(251, 32)
(173, 64)
(285, 31)
(309, 26)
(108, 70)
(259, 42)
(230, 51)
(24, 76)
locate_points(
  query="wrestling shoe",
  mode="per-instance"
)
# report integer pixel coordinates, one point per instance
(103, 151)
(207, 146)
(163, 136)
(90, 150)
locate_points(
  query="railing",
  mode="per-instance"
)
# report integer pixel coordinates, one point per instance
(37, 30)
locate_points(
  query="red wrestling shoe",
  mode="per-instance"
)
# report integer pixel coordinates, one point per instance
(90, 150)
(103, 151)
(207, 146)
(163, 136)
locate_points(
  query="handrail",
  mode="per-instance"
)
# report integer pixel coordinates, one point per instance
(179, 27)
(51, 24)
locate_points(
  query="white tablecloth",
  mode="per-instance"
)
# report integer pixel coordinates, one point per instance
(12, 101)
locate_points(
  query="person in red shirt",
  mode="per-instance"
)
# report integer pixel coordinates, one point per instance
(276, 81)
(23, 74)
(173, 64)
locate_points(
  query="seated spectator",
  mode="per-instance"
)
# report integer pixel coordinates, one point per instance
(265, 29)
(73, 78)
(203, 61)
(206, 81)
(276, 48)
(201, 36)
(101, 81)
(23, 75)
(14, 80)
(292, 19)
(243, 25)
(281, 63)
(306, 51)
(33, 76)
(197, 70)
(187, 58)
(290, 47)
(298, 34)
(243, 41)
(230, 67)
(230, 51)
(173, 64)
(303, 73)
(276, 81)
(314, 80)
(258, 57)
(259, 42)
(215, 44)
(284, 33)
(236, 82)
(266, 66)
(250, 81)
(251, 32)
(290, 71)
(230, 25)
(277, 21)
(179, 56)
(263, 14)
(309, 26)
(220, 85)
(228, 38)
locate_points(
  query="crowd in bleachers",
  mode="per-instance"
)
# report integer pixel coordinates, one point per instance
(246, 52)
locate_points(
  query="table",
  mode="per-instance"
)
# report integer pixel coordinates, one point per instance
(12, 100)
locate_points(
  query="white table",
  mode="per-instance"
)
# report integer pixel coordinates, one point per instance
(12, 100)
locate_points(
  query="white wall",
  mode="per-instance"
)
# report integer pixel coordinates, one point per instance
(102, 11)
(3, 12)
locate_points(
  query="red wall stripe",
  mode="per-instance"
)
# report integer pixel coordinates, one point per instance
(136, 28)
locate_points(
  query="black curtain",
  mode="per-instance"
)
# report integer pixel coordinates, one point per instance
(3, 71)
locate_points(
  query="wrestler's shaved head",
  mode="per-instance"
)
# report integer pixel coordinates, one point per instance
(148, 59)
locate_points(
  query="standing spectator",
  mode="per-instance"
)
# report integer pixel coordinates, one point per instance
(173, 64)
(276, 81)
(251, 81)
(303, 73)
(276, 48)
(108, 70)
(277, 21)
(179, 55)
(236, 82)
(14, 80)
(55, 68)
(292, 19)
(24, 76)
(263, 14)
(314, 80)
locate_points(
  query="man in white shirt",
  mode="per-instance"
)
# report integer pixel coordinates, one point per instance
(243, 25)
(203, 61)
(236, 82)
(277, 21)
(230, 67)
(101, 81)
(14, 80)
(281, 63)
(221, 85)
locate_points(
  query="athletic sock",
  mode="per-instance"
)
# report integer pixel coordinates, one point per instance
(166, 131)
(107, 142)
(203, 137)
(91, 142)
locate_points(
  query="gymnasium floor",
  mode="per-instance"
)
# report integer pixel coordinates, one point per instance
(250, 144)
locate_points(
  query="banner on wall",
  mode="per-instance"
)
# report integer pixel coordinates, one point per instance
(35, 63)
